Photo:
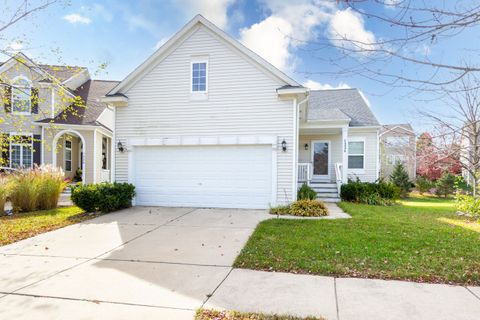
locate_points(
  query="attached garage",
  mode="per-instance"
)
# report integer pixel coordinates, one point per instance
(237, 176)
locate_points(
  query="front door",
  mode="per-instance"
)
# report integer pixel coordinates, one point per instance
(321, 159)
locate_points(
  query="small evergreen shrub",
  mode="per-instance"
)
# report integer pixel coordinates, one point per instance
(468, 205)
(306, 193)
(399, 177)
(423, 185)
(370, 192)
(445, 185)
(308, 208)
(103, 197)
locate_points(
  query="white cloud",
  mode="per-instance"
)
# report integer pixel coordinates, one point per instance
(286, 28)
(75, 18)
(347, 30)
(269, 39)
(140, 22)
(15, 46)
(213, 10)
(161, 42)
(314, 85)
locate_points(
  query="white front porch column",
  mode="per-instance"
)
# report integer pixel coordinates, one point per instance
(345, 154)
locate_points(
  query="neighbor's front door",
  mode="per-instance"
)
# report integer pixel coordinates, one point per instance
(321, 159)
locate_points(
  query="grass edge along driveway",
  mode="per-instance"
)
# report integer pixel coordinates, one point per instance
(421, 239)
(25, 225)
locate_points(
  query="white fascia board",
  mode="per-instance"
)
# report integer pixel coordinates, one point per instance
(364, 129)
(292, 91)
(116, 101)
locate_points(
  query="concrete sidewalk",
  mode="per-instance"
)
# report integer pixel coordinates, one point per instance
(164, 263)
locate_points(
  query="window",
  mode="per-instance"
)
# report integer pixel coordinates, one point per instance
(199, 76)
(21, 92)
(68, 155)
(104, 153)
(356, 154)
(21, 152)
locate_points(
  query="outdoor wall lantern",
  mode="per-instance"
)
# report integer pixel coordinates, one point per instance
(120, 146)
(284, 145)
(306, 146)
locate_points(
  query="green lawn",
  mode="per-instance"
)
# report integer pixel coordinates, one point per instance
(421, 239)
(25, 225)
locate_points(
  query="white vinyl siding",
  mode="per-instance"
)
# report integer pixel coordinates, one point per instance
(370, 172)
(247, 104)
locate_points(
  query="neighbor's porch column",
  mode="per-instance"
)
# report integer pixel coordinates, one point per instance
(344, 154)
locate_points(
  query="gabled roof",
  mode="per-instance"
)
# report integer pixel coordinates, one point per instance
(48, 71)
(403, 126)
(162, 52)
(90, 92)
(341, 104)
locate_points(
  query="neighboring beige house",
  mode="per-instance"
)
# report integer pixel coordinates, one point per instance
(205, 122)
(52, 115)
(397, 144)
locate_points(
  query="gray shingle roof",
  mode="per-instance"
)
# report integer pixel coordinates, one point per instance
(340, 104)
(90, 92)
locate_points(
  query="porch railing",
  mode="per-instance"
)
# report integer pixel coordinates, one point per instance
(338, 174)
(304, 172)
(105, 175)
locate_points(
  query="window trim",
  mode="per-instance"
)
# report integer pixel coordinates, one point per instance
(192, 62)
(65, 154)
(29, 135)
(12, 100)
(357, 170)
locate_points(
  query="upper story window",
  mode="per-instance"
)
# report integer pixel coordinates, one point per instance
(21, 96)
(199, 76)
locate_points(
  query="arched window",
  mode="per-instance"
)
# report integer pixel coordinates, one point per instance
(21, 96)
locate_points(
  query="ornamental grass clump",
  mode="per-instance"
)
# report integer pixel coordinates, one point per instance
(23, 191)
(3, 194)
(50, 185)
(36, 189)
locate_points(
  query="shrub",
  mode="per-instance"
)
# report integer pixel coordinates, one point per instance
(308, 208)
(399, 177)
(306, 193)
(3, 194)
(445, 185)
(50, 185)
(468, 205)
(369, 192)
(423, 185)
(103, 197)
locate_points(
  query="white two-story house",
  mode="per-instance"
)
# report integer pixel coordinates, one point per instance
(205, 122)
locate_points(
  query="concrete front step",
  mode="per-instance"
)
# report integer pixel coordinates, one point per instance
(332, 199)
(323, 185)
(327, 194)
(328, 190)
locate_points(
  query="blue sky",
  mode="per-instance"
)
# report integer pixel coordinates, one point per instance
(124, 33)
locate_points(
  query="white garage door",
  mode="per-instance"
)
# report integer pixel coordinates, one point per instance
(203, 176)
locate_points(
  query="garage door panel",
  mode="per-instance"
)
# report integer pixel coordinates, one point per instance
(213, 176)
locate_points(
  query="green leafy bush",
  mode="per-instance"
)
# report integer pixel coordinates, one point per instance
(103, 197)
(468, 205)
(306, 193)
(423, 185)
(308, 208)
(370, 192)
(399, 177)
(445, 185)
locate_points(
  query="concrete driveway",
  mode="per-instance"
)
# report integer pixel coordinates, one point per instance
(159, 263)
